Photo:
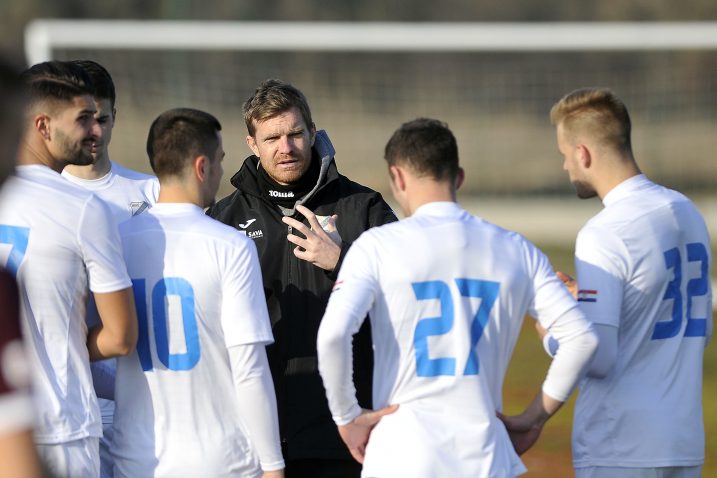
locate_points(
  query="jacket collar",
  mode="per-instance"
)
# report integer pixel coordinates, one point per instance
(246, 180)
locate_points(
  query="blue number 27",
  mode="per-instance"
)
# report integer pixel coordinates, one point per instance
(487, 291)
(164, 288)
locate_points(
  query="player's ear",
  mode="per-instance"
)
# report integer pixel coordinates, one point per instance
(251, 142)
(42, 125)
(584, 156)
(398, 178)
(200, 167)
(312, 132)
(460, 177)
(114, 115)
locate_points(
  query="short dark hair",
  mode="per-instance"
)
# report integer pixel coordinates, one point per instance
(272, 98)
(427, 146)
(11, 103)
(102, 85)
(178, 135)
(53, 81)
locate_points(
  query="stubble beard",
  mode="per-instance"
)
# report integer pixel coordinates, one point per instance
(584, 190)
(73, 153)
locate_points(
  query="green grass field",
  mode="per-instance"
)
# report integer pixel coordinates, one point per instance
(550, 458)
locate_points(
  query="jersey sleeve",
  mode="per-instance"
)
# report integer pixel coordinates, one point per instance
(601, 268)
(351, 299)
(101, 248)
(245, 319)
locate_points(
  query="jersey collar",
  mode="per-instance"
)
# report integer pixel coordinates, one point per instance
(626, 188)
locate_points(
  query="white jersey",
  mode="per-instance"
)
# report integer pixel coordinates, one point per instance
(198, 288)
(643, 266)
(127, 193)
(447, 294)
(58, 238)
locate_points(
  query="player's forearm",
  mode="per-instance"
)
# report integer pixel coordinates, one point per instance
(334, 349)
(578, 343)
(255, 393)
(117, 335)
(18, 456)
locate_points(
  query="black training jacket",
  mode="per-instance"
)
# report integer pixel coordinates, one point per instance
(297, 293)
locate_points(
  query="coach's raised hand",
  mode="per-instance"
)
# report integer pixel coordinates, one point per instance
(317, 247)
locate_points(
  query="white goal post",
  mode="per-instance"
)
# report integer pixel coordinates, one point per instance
(42, 35)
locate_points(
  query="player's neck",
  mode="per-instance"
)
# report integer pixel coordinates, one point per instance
(96, 170)
(625, 169)
(33, 152)
(428, 193)
(172, 192)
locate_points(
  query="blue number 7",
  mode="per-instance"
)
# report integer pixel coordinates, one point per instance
(18, 238)
(487, 291)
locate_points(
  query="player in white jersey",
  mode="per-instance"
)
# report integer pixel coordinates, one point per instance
(196, 399)
(643, 273)
(127, 193)
(18, 457)
(58, 239)
(446, 294)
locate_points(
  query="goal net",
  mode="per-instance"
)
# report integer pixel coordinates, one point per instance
(493, 84)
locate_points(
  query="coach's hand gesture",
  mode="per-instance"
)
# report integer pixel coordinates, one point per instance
(317, 247)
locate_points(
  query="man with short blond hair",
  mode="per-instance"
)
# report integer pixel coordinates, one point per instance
(643, 279)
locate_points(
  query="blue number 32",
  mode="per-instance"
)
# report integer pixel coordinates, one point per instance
(487, 291)
(696, 327)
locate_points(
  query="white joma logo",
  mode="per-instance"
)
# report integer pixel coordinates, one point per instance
(246, 224)
(278, 194)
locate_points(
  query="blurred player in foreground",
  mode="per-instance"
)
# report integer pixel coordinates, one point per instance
(643, 272)
(196, 398)
(63, 238)
(18, 457)
(127, 193)
(446, 293)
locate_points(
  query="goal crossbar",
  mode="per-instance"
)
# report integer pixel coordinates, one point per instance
(41, 36)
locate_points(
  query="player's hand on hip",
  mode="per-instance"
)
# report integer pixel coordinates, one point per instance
(569, 282)
(523, 431)
(356, 433)
(317, 247)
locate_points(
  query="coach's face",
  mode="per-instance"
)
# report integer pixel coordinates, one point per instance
(574, 162)
(73, 132)
(283, 144)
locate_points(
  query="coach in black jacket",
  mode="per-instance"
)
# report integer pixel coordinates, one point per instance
(302, 215)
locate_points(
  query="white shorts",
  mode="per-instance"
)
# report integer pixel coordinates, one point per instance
(622, 472)
(78, 458)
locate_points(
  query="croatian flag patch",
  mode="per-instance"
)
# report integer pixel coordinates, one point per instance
(585, 295)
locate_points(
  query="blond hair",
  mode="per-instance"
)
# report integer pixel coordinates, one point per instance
(596, 112)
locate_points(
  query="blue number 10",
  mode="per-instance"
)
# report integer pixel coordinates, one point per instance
(696, 327)
(163, 289)
(487, 291)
